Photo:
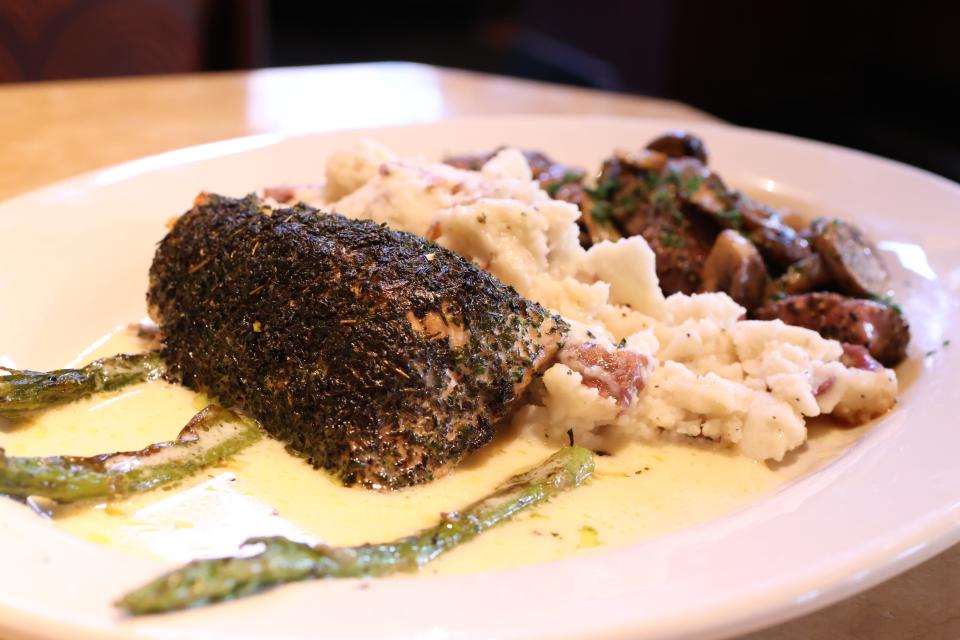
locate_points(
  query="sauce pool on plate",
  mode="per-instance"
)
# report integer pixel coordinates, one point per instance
(641, 491)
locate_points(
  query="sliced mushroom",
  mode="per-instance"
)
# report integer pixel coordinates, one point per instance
(806, 275)
(735, 267)
(642, 160)
(470, 161)
(754, 214)
(780, 244)
(550, 174)
(851, 257)
(572, 192)
(696, 191)
(680, 144)
(796, 220)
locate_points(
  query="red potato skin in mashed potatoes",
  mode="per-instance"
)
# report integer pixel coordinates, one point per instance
(614, 373)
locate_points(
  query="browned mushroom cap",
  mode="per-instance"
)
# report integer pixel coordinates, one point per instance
(851, 257)
(642, 160)
(551, 175)
(796, 220)
(806, 275)
(572, 192)
(735, 267)
(470, 161)
(754, 214)
(780, 244)
(680, 144)
(547, 170)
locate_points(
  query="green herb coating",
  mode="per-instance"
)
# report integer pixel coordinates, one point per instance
(23, 391)
(375, 354)
(211, 436)
(281, 560)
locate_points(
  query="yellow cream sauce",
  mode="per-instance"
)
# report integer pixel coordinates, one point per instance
(642, 491)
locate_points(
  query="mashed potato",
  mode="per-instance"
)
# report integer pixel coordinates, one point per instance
(635, 365)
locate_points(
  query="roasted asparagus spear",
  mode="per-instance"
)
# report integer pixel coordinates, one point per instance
(281, 560)
(22, 391)
(212, 435)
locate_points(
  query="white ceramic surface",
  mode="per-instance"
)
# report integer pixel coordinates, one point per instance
(74, 262)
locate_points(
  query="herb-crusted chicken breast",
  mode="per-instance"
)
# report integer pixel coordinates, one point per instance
(375, 354)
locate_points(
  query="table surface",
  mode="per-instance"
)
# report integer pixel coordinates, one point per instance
(50, 131)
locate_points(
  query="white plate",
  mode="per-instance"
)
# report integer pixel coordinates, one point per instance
(75, 258)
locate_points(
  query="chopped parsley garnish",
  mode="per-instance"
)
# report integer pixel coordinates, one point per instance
(554, 187)
(670, 239)
(651, 180)
(662, 198)
(687, 184)
(605, 189)
(733, 217)
(601, 210)
(886, 300)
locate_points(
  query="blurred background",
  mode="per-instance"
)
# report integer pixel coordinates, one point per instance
(886, 80)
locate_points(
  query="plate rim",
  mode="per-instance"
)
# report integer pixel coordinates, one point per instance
(947, 524)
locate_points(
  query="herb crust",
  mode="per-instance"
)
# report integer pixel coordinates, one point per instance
(373, 353)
